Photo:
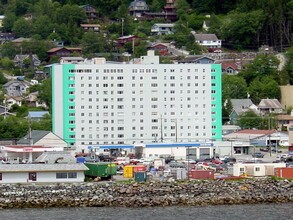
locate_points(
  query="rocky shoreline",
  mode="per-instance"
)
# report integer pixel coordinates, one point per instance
(113, 194)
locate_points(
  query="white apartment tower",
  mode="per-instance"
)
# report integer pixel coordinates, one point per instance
(97, 102)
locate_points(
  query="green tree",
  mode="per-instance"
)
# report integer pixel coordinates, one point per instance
(265, 87)
(44, 124)
(6, 63)
(241, 29)
(261, 66)
(226, 110)
(43, 26)
(8, 50)
(13, 127)
(93, 43)
(22, 28)
(249, 120)
(8, 21)
(45, 92)
(233, 87)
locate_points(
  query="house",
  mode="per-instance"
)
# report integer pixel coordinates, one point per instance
(33, 100)
(285, 121)
(20, 59)
(20, 40)
(16, 88)
(230, 68)
(73, 60)
(125, 39)
(240, 106)
(268, 106)
(168, 13)
(137, 8)
(162, 29)
(170, 6)
(207, 40)
(44, 139)
(199, 59)
(161, 48)
(10, 101)
(90, 27)
(42, 173)
(5, 37)
(28, 17)
(63, 52)
(90, 11)
(36, 115)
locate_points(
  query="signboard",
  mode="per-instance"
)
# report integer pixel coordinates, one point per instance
(28, 149)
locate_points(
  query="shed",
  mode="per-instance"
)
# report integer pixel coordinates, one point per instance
(42, 173)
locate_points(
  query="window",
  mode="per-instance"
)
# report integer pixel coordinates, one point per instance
(72, 175)
(241, 169)
(257, 169)
(32, 176)
(61, 175)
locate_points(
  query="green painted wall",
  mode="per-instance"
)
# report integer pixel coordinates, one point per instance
(217, 100)
(69, 136)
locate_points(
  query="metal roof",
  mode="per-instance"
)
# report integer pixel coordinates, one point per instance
(42, 167)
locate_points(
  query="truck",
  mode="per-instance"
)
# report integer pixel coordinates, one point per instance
(104, 170)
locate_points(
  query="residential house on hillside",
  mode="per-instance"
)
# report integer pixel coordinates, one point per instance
(90, 11)
(10, 101)
(170, 6)
(285, 121)
(16, 88)
(207, 40)
(6, 37)
(230, 68)
(63, 52)
(20, 40)
(90, 27)
(267, 106)
(33, 100)
(125, 39)
(161, 48)
(199, 59)
(28, 17)
(36, 115)
(240, 106)
(162, 29)
(19, 60)
(42, 138)
(138, 7)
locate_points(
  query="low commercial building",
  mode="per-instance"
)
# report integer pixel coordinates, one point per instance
(42, 173)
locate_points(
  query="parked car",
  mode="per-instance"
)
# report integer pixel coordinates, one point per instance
(258, 155)
(264, 149)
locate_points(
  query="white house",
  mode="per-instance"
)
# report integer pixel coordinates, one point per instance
(161, 29)
(42, 173)
(207, 40)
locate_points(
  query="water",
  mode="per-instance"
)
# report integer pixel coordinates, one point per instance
(230, 212)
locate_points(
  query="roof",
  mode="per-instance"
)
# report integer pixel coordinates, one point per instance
(205, 37)
(42, 167)
(226, 65)
(18, 82)
(163, 25)
(36, 135)
(285, 117)
(195, 58)
(52, 156)
(248, 134)
(241, 105)
(89, 25)
(37, 114)
(55, 49)
(270, 103)
(127, 37)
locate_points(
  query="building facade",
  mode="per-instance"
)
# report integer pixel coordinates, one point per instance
(97, 102)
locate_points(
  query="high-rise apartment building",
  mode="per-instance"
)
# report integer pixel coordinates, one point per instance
(97, 102)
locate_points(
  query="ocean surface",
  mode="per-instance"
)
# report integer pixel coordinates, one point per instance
(230, 212)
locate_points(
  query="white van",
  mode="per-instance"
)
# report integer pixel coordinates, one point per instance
(123, 160)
